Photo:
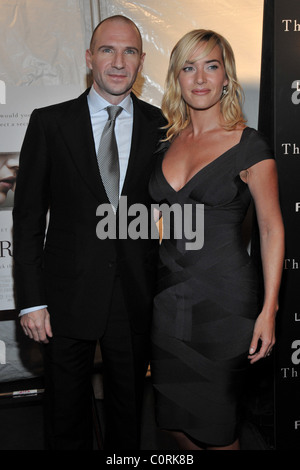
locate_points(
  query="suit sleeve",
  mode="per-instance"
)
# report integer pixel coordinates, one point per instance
(31, 203)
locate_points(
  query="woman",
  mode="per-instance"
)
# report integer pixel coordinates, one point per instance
(9, 166)
(208, 324)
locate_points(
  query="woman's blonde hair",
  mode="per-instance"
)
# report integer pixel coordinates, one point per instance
(174, 107)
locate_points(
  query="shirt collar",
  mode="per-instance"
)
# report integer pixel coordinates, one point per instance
(97, 103)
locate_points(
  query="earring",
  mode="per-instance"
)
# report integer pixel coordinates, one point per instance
(224, 91)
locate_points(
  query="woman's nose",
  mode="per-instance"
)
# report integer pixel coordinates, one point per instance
(13, 161)
(200, 76)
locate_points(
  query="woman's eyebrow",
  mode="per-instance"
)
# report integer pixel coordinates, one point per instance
(207, 61)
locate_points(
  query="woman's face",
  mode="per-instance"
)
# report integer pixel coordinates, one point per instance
(202, 80)
(9, 165)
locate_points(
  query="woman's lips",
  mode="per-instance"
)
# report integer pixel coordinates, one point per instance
(7, 183)
(201, 91)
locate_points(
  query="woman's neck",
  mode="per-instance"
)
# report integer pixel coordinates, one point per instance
(204, 121)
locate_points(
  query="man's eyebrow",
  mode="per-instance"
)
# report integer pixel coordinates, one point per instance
(104, 46)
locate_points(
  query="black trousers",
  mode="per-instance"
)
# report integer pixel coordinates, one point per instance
(68, 368)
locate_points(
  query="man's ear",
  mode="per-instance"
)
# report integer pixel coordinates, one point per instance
(88, 59)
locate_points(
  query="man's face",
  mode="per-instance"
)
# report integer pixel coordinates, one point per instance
(115, 59)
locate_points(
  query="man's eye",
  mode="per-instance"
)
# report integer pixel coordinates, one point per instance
(130, 51)
(106, 50)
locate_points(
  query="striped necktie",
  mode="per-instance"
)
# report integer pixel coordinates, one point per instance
(108, 158)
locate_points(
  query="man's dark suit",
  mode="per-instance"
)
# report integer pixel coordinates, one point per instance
(74, 272)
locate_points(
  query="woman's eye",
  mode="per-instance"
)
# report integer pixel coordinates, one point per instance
(213, 67)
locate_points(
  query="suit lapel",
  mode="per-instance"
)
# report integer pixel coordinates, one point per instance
(142, 142)
(78, 135)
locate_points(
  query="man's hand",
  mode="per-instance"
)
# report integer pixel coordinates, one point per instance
(37, 325)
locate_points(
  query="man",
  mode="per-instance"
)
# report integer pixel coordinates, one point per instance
(72, 287)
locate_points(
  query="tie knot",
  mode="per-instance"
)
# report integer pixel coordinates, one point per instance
(113, 112)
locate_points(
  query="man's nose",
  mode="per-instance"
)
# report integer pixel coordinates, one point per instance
(118, 60)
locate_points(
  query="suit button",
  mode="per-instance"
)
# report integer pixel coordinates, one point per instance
(111, 264)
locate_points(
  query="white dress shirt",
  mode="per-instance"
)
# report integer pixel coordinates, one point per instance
(123, 132)
(123, 127)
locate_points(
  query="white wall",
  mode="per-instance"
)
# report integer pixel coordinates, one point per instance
(162, 23)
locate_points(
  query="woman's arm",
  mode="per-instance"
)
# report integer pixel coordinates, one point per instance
(262, 181)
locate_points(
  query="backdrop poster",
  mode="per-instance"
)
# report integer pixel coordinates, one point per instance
(287, 150)
(15, 110)
(42, 62)
(6, 282)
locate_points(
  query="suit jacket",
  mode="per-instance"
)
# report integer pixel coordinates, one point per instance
(71, 269)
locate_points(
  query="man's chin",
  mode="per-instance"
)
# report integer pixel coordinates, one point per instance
(118, 91)
(113, 91)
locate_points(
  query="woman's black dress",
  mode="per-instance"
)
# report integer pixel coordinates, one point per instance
(207, 299)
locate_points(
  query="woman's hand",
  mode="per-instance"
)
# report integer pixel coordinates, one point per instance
(263, 338)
